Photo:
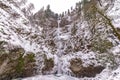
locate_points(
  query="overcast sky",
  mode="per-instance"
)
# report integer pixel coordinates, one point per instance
(58, 6)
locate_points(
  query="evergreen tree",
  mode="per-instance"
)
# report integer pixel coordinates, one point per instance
(68, 12)
(62, 14)
(48, 11)
(71, 8)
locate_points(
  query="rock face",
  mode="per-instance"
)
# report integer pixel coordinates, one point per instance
(13, 62)
(76, 65)
(64, 22)
(48, 65)
(69, 36)
(80, 71)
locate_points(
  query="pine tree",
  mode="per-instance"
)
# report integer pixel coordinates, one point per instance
(71, 8)
(48, 11)
(68, 12)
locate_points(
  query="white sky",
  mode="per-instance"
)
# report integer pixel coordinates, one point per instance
(58, 6)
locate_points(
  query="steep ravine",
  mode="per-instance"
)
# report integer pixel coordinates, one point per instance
(42, 47)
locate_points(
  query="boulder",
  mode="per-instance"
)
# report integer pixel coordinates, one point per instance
(14, 63)
(80, 71)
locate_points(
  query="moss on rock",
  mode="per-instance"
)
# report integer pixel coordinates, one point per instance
(48, 65)
(101, 45)
(15, 63)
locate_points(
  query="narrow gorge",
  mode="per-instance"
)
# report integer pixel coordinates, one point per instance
(79, 44)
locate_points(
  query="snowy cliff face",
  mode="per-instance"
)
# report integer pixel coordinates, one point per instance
(64, 42)
(78, 38)
(16, 29)
(18, 41)
(75, 44)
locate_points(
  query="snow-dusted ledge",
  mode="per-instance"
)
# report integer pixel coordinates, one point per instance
(51, 77)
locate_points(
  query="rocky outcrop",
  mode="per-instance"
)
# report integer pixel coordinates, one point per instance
(80, 71)
(53, 23)
(64, 22)
(14, 62)
(48, 65)
(76, 65)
